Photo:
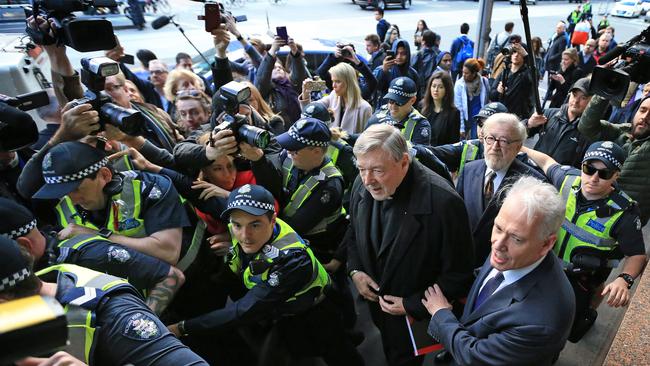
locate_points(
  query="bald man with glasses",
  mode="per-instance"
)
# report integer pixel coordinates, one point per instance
(482, 181)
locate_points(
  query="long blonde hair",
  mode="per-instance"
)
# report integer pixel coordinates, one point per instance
(348, 75)
(170, 89)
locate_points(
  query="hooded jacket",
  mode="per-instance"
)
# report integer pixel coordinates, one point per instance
(384, 78)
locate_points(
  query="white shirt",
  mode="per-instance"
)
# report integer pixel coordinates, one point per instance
(510, 276)
(498, 179)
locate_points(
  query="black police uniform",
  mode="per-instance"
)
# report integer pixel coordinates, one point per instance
(126, 331)
(421, 132)
(141, 270)
(629, 238)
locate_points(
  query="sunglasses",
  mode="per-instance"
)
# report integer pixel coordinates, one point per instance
(190, 93)
(602, 173)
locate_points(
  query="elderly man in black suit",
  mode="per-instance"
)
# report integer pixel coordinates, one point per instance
(521, 306)
(482, 182)
(408, 230)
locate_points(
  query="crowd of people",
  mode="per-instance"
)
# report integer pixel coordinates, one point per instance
(257, 202)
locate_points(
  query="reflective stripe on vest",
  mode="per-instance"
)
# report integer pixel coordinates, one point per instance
(75, 243)
(125, 207)
(587, 229)
(123, 164)
(305, 189)
(286, 239)
(470, 151)
(409, 128)
(333, 152)
(81, 327)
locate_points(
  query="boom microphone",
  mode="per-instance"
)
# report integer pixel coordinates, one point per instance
(161, 21)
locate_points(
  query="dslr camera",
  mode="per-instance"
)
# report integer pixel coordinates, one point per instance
(634, 65)
(84, 35)
(345, 52)
(93, 75)
(229, 97)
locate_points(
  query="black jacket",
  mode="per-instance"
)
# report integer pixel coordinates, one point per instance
(587, 67)
(554, 52)
(571, 75)
(445, 127)
(560, 137)
(518, 94)
(431, 245)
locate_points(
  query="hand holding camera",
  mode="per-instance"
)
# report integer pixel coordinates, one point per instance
(77, 121)
(389, 61)
(221, 39)
(346, 52)
(222, 143)
(250, 152)
(276, 45)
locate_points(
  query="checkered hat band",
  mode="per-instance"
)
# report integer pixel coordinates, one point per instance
(77, 176)
(401, 93)
(11, 280)
(251, 203)
(21, 231)
(600, 154)
(293, 132)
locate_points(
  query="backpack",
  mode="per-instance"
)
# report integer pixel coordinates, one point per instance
(466, 51)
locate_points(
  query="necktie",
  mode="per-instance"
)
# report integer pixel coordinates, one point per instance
(488, 189)
(490, 286)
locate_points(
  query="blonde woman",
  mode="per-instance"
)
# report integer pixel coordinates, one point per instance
(177, 80)
(350, 110)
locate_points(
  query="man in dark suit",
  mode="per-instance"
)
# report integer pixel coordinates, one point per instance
(407, 231)
(483, 181)
(586, 59)
(521, 306)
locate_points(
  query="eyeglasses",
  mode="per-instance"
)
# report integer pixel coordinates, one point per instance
(490, 140)
(157, 72)
(602, 173)
(116, 87)
(188, 93)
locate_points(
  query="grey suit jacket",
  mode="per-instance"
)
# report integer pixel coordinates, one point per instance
(524, 323)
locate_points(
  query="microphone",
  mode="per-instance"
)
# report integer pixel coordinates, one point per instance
(161, 21)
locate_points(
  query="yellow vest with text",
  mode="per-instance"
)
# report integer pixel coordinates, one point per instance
(286, 240)
(81, 320)
(587, 230)
(304, 190)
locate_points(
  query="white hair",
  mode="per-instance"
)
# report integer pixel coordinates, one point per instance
(539, 199)
(382, 136)
(506, 119)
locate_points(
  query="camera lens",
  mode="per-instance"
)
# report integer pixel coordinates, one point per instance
(129, 121)
(254, 136)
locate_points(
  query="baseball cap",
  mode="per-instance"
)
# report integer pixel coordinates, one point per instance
(305, 132)
(612, 155)
(16, 220)
(250, 198)
(490, 109)
(316, 110)
(13, 266)
(401, 89)
(66, 165)
(582, 85)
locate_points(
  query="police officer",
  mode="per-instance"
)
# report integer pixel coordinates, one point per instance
(92, 251)
(287, 287)
(139, 210)
(455, 156)
(399, 111)
(310, 187)
(339, 150)
(108, 323)
(601, 226)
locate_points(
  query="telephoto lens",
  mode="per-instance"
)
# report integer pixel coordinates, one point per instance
(129, 121)
(254, 136)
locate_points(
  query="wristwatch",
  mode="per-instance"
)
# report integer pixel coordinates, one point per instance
(105, 233)
(181, 328)
(629, 279)
(352, 273)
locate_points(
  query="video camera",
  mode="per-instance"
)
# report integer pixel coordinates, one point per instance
(93, 75)
(84, 35)
(634, 65)
(215, 14)
(228, 99)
